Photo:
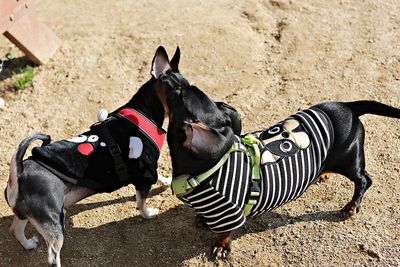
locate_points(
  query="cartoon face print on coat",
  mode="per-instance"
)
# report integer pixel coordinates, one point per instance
(283, 140)
(86, 144)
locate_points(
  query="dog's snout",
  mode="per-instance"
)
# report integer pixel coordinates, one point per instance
(285, 135)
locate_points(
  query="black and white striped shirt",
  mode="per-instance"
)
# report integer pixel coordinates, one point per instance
(220, 200)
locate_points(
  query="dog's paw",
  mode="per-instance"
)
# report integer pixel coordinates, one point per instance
(166, 181)
(350, 210)
(322, 178)
(219, 253)
(149, 213)
(31, 243)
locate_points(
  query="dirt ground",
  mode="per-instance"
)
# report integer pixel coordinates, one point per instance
(268, 58)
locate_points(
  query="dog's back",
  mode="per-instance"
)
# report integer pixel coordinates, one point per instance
(293, 154)
(293, 157)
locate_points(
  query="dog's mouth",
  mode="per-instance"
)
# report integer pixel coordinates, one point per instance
(175, 80)
(170, 84)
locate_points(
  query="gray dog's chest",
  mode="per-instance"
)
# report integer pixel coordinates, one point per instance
(293, 154)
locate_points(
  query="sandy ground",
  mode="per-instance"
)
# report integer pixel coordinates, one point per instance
(266, 58)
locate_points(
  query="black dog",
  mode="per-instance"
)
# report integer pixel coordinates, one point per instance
(120, 150)
(226, 178)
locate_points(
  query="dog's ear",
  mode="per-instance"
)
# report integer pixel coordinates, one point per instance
(175, 60)
(205, 142)
(160, 64)
(236, 121)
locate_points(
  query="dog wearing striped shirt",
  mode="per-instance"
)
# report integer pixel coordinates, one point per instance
(216, 169)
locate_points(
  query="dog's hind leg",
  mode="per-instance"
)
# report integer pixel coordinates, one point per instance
(18, 230)
(353, 167)
(362, 181)
(52, 230)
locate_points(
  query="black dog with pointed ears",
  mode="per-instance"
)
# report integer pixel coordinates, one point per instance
(226, 178)
(123, 149)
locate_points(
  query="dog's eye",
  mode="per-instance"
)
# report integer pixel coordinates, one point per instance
(93, 138)
(286, 146)
(274, 130)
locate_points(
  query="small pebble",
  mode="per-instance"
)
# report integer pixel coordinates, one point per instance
(2, 103)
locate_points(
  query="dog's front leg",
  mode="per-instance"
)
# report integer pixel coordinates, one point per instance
(164, 180)
(145, 212)
(222, 248)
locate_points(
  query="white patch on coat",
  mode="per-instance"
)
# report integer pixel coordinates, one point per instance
(78, 139)
(135, 147)
(93, 138)
(267, 156)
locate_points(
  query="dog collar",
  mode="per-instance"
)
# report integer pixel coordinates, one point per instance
(184, 184)
(148, 127)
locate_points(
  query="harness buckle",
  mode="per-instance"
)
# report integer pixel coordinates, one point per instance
(192, 181)
(115, 150)
(252, 197)
(255, 194)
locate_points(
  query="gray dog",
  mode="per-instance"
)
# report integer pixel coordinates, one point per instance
(121, 149)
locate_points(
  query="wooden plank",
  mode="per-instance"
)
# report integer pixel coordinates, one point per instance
(31, 36)
(12, 10)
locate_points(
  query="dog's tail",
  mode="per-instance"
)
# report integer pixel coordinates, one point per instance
(23, 146)
(16, 166)
(360, 108)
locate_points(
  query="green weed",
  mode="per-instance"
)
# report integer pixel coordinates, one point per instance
(25, 78)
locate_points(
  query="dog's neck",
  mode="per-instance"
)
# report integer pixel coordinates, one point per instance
(184, 161)
(146, 101)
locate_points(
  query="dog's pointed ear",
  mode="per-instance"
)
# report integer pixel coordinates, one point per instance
(175, 60)
(203, 141)
(160, 64)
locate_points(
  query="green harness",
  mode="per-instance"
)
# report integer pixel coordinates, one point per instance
(184, 184)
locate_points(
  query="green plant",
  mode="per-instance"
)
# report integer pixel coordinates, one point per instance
(25, 79)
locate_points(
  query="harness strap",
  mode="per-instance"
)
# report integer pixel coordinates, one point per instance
(184, 184)
(146, 126)
(57, 173)
(83, 182)
(119, 165)
(254, 152)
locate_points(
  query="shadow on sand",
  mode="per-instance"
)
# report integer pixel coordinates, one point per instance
(14, 66)
(171, 238)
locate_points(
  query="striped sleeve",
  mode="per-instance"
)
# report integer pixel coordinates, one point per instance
(221, 201)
